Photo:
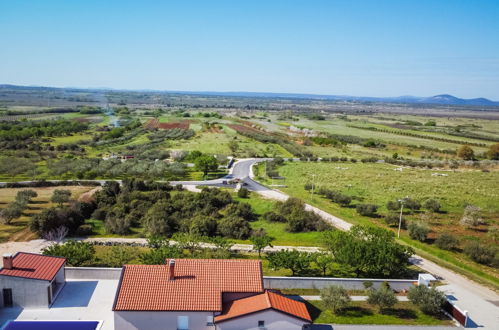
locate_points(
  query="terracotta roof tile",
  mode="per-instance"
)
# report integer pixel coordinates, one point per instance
(34, 266)
(198, 284)
(264, 301)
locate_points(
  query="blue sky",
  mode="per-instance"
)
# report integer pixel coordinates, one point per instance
(363, 48)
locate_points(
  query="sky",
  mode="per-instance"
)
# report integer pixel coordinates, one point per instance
(361, 48)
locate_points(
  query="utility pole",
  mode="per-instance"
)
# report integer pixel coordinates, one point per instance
(313, 185)
(401, 201)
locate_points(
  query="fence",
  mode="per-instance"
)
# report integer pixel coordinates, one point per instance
(278, 282)
(269, 282)
(456, 313)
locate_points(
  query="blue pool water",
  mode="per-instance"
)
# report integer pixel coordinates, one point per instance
(52, 325)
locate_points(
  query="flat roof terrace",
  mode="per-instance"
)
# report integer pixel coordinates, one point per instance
(80, 299)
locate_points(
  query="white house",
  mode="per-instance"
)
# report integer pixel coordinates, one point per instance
(31, 280)
(202, 294)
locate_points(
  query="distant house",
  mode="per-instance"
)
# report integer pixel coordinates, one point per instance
(31, 280)
(202, 294)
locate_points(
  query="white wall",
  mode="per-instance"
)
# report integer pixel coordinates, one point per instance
(273, 321)
(60, 277)
(159, 320)
(27, 293)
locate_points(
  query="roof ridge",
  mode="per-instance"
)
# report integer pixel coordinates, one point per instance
(267, 296)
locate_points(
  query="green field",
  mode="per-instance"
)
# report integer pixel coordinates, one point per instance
(403, 313)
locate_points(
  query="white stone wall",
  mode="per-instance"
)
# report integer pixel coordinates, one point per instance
(159, 320)
(27, 293)
(273, 321)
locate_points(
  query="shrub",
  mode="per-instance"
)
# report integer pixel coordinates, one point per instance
(429, 300)
(480, 253)
(234, 227)
(119, 255)
(393, 205)
(418, 230)
(446, 241)
(296, 261)
(274, 217)
(382, 297)
(308, 186)
(84, 230)
(368, 210)
(243, 193)
(432, 205)
(466, 153)
(471, 216)
(60, 196)
(76, 253)
(392, 220)
(335, 298)
(412, 204)
(367, 285)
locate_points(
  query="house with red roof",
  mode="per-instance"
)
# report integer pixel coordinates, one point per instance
(202, 294)
(30, 280)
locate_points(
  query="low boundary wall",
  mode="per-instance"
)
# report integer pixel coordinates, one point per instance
(93, 273)
(269, 282)
(281, 282)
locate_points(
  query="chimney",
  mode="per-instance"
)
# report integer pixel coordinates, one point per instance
(8, 261)
(171, 273)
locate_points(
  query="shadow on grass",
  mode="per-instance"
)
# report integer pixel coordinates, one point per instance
(355, 311)
(400, 313)
(38, 202)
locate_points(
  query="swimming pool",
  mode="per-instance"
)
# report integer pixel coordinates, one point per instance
(52, 325)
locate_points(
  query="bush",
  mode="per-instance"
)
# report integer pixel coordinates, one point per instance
(296, 261)
(392, 220)
(77, 254)
(471, 216)
(243, 193)
(480, 253)
(274, 217)
(368, 210)
(393, 205)
(418, 231)
(84, 230)
(234, 227)
(430, 301)
(308, 186)
(335, 298)
(447, 242)
(432, 205)
(119, 255)
(382, 297)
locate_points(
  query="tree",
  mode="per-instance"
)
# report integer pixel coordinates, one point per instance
(160, 251)
(418, 230)
(25, 196)
(369, 251)
(429, 300)
(118, 220)
(493, 152)
(447, 241)
(465, 152)
(260, 241)
(157, 222)
(335, 298)
(383, 297)
(296, 261)
(324, 261)
(392, 219)
(432, 205)
(61, 196)
(368, 210)
(483, 254)
(206, 163)
(13, 211)
(119, 255)
(76, 253)
(234, 227)
(472, 216)
(243, 193)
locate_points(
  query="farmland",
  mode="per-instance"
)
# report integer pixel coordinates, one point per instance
(373, 153)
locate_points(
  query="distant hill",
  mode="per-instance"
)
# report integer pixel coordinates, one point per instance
(442, 99)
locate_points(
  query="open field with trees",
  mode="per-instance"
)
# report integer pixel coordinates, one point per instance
(373, 154)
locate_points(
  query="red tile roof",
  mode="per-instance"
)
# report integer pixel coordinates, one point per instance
(261, 302)
(198, 284)
(34, 266)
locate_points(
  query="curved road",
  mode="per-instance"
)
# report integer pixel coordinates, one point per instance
(481, 302)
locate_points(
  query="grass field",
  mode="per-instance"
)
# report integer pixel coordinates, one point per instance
(18, 230)
(404, 313)
(379, 183)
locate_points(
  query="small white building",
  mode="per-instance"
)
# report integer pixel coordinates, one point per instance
(30, 280)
